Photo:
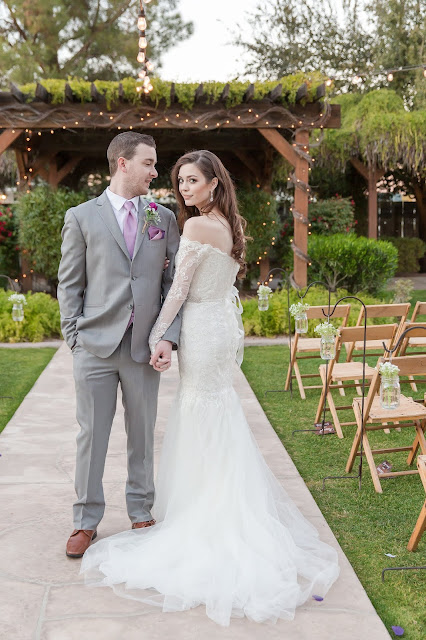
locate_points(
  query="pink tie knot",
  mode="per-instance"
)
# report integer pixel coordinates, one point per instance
(128, 205)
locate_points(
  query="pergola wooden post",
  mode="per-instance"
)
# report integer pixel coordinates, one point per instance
(372, 175)
(298, 157)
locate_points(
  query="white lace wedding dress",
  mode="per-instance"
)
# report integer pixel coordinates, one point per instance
(227, 535)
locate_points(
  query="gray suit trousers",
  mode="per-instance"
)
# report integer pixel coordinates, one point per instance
(96, 383)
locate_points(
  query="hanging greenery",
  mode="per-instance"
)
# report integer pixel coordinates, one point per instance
(184, 91)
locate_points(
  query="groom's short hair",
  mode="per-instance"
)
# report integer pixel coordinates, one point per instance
(124, 146)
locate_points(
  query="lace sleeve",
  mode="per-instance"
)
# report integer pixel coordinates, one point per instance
(188, 258)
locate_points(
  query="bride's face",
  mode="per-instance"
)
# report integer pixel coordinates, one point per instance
(194, 187)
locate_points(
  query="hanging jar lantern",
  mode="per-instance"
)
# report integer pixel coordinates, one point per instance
(263, 294)
(298, 311)
(390, 390)
(18, 300)
(327, 333)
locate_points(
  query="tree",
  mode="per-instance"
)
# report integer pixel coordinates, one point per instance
(85, 38)
(366, 38)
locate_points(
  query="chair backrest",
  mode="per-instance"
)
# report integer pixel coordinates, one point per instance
(411, 365)
(373, 332)
(342, 311)
(419, 310)
(417, 330)
(397, 310)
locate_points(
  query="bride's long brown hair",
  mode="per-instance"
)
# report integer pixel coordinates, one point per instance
(224, 198)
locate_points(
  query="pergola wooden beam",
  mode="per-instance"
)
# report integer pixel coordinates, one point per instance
(7, 137)
(280, 144)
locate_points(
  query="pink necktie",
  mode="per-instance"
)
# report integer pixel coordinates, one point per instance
(129, 232)
(130, 227)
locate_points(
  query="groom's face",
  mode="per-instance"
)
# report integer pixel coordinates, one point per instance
(140, 169)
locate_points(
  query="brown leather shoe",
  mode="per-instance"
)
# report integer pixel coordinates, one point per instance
(142, 525)
(79, 542)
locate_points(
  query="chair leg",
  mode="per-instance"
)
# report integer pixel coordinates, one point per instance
(355, 445)
(419, 530)
(371, 464)
(341, 388)
(320, 408)
(333, 412)
(419, 440)
(413, 384)
(299, 381)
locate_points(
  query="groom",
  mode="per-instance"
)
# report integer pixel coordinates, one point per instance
(111, 285)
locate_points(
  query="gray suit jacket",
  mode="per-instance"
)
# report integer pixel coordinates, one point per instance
(99, 284)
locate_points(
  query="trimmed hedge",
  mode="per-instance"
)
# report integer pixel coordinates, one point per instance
(352, 262)
(41, 319)
(410, 251)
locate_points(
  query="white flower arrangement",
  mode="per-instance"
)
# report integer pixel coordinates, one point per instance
(264, 290)
(388, 370)
(326, 330)
(298, 308)
(17, 298)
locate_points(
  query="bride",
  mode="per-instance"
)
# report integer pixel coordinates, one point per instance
(227, 535)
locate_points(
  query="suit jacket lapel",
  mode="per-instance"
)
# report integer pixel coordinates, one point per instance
(108, 216)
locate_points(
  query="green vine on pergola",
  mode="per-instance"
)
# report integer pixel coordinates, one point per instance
(377, 129)
(183, 93)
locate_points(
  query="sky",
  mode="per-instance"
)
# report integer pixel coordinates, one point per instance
(209, 53)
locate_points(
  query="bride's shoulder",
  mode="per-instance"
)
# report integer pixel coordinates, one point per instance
(195, 229)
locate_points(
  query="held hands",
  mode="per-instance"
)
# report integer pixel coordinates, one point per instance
(161, 359)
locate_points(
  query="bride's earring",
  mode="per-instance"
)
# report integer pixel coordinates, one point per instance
(211, 195)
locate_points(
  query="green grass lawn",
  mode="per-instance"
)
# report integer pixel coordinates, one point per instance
(19, 369)
(366, 524)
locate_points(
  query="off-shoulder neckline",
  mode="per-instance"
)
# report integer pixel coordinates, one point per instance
(206, 244)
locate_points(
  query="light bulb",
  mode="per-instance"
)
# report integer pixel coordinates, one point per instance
(390, 77)
(141, 56)
(141, 23)
(138, 88)
(143, 42)
(424, 72)
(150, 87)
(146, 81)
(149, 65)
(142, 73)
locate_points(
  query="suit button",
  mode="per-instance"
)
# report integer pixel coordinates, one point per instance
(130, 306)
(133, 277)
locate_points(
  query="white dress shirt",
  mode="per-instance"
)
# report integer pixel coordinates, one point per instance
(117, 204)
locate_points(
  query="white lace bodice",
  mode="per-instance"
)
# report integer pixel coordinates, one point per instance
(203, 274)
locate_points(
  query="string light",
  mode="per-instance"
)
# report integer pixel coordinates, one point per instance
(141, 57)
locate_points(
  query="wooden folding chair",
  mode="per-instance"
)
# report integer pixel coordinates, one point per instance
(310, 346)
(390, 311)
(420, 527)
(408, 414)
(416, 338)
(347, 374)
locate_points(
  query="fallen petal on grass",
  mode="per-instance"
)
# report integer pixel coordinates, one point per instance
(398, 631)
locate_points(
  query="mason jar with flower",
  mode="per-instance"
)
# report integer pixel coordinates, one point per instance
(328, 333)
(263, 294)
(390, 390)
(298, 311)
(18, 300)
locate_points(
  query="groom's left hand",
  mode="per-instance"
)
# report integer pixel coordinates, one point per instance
(161, 359)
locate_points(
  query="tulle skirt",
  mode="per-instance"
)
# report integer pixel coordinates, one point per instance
(228, 536)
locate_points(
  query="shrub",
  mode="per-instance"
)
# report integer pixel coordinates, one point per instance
(41, 319)
(275, 321)
(9, 250)
(259, 209)
(333, 215)
(41, 217)
(353, 262)
(403, 290)
(410, 251)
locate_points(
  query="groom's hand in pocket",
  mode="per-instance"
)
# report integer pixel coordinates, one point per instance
(162, 357)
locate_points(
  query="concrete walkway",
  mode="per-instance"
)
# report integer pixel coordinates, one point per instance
(42, 596)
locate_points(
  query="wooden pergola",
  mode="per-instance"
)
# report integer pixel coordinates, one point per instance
(63, 142)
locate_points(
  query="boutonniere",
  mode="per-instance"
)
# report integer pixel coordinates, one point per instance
(152, 215)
